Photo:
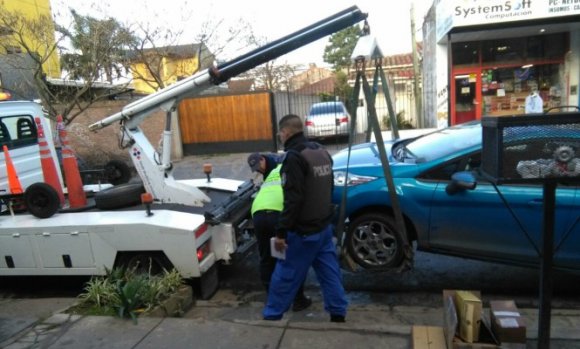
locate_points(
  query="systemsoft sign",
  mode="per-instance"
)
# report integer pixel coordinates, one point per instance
(459, 13)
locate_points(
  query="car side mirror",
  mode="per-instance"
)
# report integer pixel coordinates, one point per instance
(460, 181)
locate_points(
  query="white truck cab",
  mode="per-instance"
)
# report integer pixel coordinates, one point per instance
(18, 132)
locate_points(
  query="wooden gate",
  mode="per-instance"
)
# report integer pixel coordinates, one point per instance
(228, 124)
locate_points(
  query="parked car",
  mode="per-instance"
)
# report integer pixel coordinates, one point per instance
(327, 119)
(448, 210)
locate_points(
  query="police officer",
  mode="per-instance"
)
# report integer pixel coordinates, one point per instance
(265, 213)
(304, 230)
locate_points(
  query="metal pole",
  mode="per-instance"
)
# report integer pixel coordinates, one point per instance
(546, 278)
(416, 74)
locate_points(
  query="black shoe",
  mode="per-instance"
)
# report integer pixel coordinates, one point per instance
(337, 318)
(301, 303)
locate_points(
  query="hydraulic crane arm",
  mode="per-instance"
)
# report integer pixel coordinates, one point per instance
(222, 73)
(154, 169)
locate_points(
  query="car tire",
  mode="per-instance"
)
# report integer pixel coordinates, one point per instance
(373, 242)
(41, 200)
(119, 196)
(117, 172)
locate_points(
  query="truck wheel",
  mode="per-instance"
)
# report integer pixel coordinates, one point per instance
(119, 196)
(117, 172)
(41, 200)
(152, 263)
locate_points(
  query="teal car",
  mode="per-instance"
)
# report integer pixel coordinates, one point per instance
(448, 207)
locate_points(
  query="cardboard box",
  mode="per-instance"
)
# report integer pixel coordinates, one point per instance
(469, 309)
(450, 319)
(428, 337)
(506, 322)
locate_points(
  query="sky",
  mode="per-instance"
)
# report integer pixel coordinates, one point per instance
(389, 19)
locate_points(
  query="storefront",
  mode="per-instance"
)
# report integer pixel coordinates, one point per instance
(501, 58)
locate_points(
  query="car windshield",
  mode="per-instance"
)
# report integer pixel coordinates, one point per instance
(444, 142)
(329, 108)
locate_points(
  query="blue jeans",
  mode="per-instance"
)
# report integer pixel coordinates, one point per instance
(316, 250)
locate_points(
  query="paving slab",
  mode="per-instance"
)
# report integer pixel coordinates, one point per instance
(105, 332)
(300, 339)
(10, 327)
(35, 307)
(201, 334)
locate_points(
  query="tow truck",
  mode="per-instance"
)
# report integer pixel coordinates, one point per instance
(191, 225)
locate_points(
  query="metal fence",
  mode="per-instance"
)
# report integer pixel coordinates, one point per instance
(300, 103)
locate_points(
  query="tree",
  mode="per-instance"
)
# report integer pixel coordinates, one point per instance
(340, 46)
(269, 76)
(90, 49)
(155, 44)
(343, 90)
(98, 49)
(28, 45)
(149, 54)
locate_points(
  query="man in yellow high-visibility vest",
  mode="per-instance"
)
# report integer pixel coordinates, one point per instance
(265, 212)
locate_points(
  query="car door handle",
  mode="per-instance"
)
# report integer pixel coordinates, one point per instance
(536, 202)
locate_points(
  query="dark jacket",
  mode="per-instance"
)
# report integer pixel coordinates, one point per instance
(272, 162)
(307, 181)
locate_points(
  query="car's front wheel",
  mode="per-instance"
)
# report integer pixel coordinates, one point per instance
(373, 242)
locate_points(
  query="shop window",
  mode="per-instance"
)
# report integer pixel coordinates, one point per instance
(536, 47)
(465, 53)
(555, 46)
(505, 90)
(504, 50)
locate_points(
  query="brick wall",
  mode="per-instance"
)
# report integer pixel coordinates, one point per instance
(96, 148)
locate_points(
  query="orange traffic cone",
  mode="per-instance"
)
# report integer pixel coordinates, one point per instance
(74, 184)
(48, 167)
(13, 181)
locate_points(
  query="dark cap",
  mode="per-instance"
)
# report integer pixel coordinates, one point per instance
(254, 161)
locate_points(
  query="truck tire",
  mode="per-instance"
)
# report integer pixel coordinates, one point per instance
(117, 172)
(119, 196)
(41, 200)
(145, 262)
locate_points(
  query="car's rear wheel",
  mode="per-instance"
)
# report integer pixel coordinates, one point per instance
(373, 242)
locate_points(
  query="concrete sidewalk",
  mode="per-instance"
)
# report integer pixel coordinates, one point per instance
(227, 323)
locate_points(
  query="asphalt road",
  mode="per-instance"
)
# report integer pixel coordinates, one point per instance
(422, 285)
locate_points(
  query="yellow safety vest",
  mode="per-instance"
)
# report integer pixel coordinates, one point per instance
(270, 197)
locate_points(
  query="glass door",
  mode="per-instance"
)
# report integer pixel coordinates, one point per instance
(466, 96)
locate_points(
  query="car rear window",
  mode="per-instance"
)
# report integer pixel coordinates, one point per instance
(319, 109)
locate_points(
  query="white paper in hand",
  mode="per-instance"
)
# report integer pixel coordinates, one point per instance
(274, 252)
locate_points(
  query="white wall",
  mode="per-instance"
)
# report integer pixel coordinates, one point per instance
(572, 67)
(442, 73)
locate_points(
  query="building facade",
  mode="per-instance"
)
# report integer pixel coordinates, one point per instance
(43, 43)
(169, 63)
(500, 57)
